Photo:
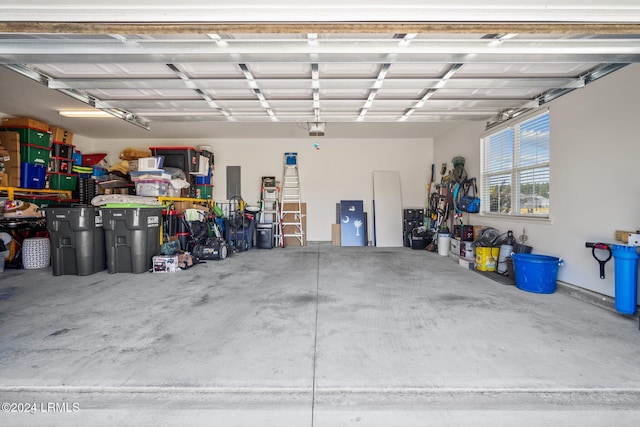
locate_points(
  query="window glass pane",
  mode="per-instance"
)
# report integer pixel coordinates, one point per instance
(499, 155)
(534, 141)
(534, 191)
(500, 193)
(515, 168)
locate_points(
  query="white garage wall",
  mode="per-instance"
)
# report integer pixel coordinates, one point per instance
(594, 189)
(340, 169)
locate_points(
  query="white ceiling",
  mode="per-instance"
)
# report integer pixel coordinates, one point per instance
(186, 79)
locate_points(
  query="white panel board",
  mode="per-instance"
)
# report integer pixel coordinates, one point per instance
(387, 211)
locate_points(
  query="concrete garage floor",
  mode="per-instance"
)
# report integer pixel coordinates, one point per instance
(315, 336)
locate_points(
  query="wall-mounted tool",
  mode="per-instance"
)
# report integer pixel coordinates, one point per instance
(601, 252)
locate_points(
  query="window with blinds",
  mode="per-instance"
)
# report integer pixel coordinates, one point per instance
(515, 169)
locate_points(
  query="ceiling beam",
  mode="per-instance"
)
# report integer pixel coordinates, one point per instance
(390, 83)
(328, 28)
(349, 50)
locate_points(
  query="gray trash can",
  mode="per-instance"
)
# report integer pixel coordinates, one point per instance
(132, 238)
(264, 236)
(77, 240)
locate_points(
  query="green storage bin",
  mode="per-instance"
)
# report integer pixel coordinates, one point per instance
(31, 136)
(42, 200)
(204, 191)
(35, 154)
(62, 181)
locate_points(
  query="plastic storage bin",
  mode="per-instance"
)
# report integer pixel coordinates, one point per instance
(204, 179)
(62, 150)
(77, 240)
(42, 200)
(32, 176)
(150, 175)
(34, 154)
(92, 159)
(132, 238)
(60, 165)
(62, 181)
(204, 191)
(185, 158)
(31, 136)
(152, 188)
(536, 273)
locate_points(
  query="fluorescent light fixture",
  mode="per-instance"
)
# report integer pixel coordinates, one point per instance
(84, 113)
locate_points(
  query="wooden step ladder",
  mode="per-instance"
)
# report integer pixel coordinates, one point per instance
(290, 199)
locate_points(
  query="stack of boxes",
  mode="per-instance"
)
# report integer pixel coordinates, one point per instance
(32, 159)
(413, 218)
(197, 166)
(203, 178)
(149, 178)
(462, 242)
(28, 143)
(61, 174)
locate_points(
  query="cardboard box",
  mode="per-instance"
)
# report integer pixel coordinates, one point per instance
(455, 246)
(292, 206)
(4, 179)
(467, 250)
(467, 263)
(24, 122)
(133, 154)
(149, 163)
(293, 240)
(335, 235)
(623, 236)
(165, 264)
(61, 135)
(4, 154)
(11, 142)
(290, 217)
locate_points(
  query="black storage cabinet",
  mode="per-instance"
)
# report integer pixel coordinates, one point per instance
(76, 234)
(132, 238)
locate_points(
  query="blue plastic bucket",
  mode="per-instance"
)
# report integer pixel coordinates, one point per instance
(536, 273)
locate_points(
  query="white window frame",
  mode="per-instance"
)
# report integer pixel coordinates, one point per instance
(514, 171)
